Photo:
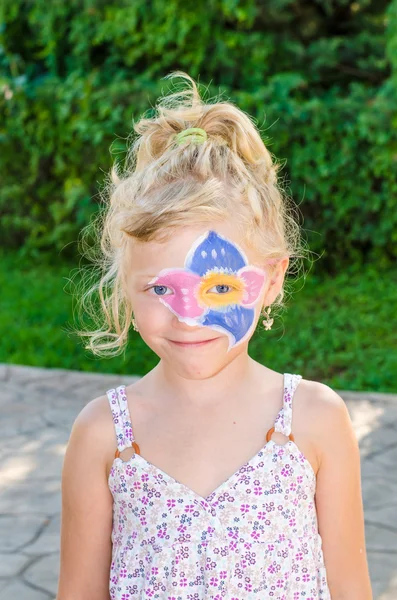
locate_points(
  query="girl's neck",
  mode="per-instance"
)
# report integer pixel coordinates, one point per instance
(237, 377)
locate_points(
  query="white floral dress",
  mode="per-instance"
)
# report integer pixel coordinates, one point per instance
(255, 536)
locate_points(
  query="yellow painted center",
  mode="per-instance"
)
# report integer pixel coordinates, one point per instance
(214, 299)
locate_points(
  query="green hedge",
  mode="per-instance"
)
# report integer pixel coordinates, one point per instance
(320, 76)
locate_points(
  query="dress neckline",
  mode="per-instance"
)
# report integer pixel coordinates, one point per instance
(228, 482)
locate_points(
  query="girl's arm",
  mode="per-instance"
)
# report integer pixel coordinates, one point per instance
(86, 507)
(339, 500)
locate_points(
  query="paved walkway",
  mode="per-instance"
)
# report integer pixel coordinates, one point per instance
(37, 408)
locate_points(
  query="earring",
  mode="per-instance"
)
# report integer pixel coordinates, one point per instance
(268, 322)
(134, 325)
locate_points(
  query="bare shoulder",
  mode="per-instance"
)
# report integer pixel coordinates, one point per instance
(93, 430)
(326, 415)
(321, 398)
(95, 416)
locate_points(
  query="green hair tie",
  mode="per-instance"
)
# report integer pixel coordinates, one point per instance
(193, 134)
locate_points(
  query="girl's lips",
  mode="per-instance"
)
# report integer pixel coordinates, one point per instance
(193, 344)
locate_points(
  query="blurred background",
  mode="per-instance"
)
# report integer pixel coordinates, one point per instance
(320, 78)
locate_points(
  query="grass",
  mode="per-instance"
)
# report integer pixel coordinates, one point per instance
(338, 330)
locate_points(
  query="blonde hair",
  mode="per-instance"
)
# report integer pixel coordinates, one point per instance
(166, 185)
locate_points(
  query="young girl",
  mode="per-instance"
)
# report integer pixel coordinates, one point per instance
(212, 476)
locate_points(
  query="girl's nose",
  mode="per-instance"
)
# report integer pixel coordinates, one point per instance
(183, 326)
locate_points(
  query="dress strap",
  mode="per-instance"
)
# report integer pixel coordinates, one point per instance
(284, 418)
(121, 419)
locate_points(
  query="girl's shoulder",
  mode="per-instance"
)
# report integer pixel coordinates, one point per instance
(320, 415)
(319, 397)
(94, 428)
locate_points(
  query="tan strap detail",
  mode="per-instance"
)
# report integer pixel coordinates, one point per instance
(134, 445)
(272, 430)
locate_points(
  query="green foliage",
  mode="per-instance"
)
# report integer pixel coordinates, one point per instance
(327, 333)
(319, 77)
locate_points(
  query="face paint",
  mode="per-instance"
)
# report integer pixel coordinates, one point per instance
(212, 263)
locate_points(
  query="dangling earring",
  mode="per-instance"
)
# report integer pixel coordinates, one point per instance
(268, 322)
(134, 325)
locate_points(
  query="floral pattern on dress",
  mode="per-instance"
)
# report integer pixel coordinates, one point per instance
(255, 536)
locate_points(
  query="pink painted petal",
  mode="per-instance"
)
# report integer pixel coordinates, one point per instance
(254, 279)
(183, 301)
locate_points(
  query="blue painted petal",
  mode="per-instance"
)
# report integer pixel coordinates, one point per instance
(237, 321)
(215, 251)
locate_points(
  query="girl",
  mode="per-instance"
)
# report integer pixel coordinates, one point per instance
(212, 476)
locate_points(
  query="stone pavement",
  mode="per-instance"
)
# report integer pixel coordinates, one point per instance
(38, 407)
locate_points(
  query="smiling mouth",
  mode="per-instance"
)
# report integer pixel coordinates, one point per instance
(191, 344)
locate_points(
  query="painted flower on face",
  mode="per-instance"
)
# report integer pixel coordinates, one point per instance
(216, 288)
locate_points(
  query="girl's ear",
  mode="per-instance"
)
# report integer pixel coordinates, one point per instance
(276, 281)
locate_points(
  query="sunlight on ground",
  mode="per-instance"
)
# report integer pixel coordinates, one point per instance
(16, 469)
(366, 418)
(59, 449)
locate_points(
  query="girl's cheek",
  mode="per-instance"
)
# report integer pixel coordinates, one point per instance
(151, 312)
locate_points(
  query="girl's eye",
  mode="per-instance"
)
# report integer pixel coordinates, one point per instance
(221, 288)
(160, 290)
